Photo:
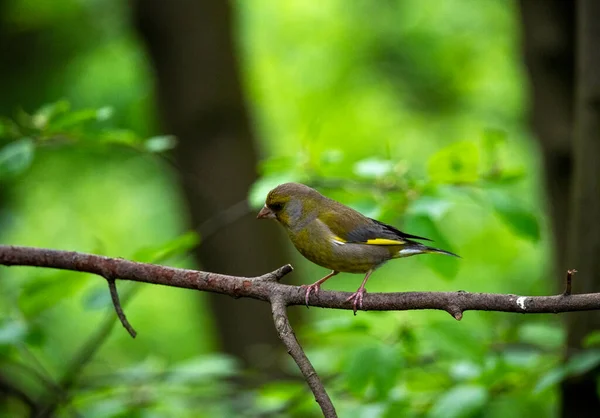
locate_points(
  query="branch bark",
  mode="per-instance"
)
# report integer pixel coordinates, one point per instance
(267, 288)
(288, 337)
(114, 295)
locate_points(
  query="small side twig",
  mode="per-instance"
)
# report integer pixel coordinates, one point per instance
(287, 336)
(117, 304)
(276, 276)
(570, 274)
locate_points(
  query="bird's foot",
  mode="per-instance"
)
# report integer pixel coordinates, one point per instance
(357, 297)
(314, 288)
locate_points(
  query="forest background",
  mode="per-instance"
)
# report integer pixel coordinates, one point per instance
(153, 131)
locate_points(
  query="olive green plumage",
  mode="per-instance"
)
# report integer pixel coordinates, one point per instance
(337, 237)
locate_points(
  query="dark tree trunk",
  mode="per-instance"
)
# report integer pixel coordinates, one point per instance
(580, 394)
(548, 28)
(200, 97)
(565, 118)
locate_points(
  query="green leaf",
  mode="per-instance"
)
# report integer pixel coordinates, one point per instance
(331, 156)
(543, 335)
(45, 292)
(78, 118)
(373, 168)
(273, 397)
(493, 138)
(491, 141)
(37, 335)
(592, 339)
(115, 408)
(45, 114)
(12, 332)
(455, 164)
(425, 226)
(430, 206)
(104, 113)
(8, 129)
(454, 339)
(16, 157)
(506, 177)
(386, 372)
(397, 409)
(577, 364)
(519, 403)
(460, 401)
(465, 370)
(207, 367)
(583, 362)
(520, 357)
(520, 219)
(550, 379)
(373, 364)
(161, 143)
(121, 137)
(359, 369)
(178, 246)
(143, 371)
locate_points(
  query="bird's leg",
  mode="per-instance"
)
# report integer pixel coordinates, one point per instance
(360, 293)
(317, 285)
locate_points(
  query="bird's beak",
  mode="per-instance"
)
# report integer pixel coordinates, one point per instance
(265, 213)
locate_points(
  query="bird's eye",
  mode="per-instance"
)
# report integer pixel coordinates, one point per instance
(276, 207)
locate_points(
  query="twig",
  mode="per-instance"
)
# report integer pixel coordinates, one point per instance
(570, 274)
(287, 335)
(117, 304)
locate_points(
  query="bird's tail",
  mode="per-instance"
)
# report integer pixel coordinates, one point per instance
(415, 248)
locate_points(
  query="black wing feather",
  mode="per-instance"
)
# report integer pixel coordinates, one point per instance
(380, 230)
(399, 233)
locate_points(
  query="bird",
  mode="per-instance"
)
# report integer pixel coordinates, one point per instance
(337, 237)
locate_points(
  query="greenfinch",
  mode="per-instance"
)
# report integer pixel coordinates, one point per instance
(337, 237)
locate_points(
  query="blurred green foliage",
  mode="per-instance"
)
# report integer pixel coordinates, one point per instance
(410, 111)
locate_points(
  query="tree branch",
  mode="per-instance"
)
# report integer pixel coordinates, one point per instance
(268, 288)
(114, 295)
(568, 281)
(287, 335)
(265, 286)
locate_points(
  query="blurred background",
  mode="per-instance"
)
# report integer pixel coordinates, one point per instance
(152, 130)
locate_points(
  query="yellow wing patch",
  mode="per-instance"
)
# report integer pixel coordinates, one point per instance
(384, 241)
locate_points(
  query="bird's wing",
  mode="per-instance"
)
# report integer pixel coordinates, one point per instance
(348, 225)
(393, 231)
(379, 233)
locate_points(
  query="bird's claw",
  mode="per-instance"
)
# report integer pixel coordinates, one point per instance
(315, 287)
(358, 299)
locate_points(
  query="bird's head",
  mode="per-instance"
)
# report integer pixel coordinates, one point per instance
(289, 203)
